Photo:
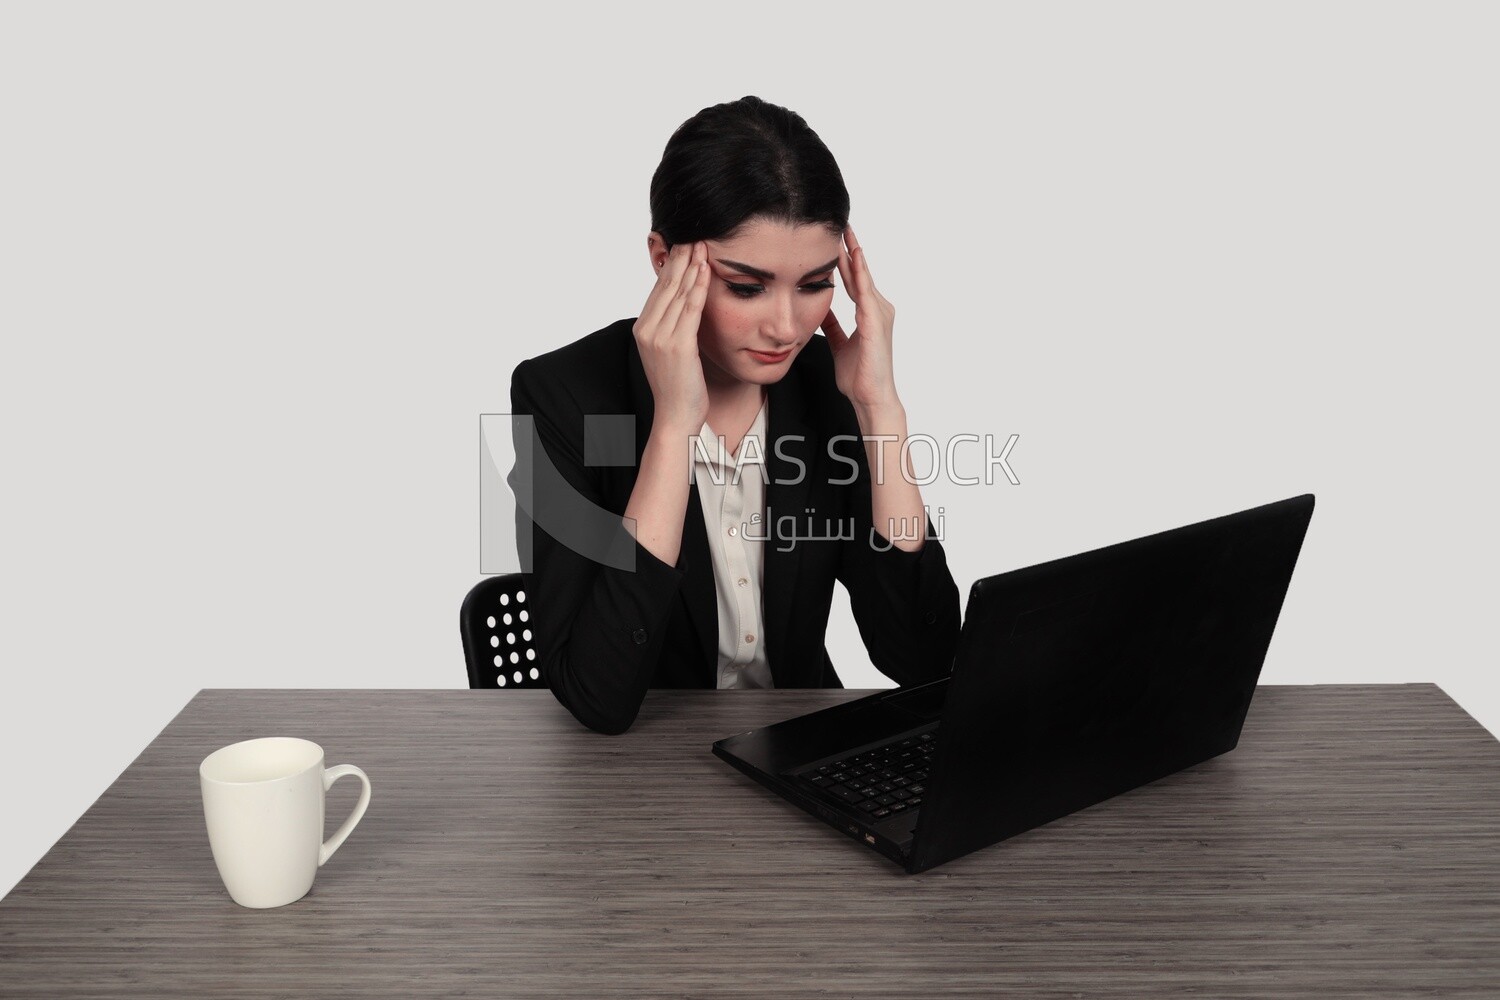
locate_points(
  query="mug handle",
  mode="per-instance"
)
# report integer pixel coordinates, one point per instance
(331, 775)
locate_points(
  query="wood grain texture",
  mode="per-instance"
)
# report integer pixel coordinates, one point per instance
(1349, 847)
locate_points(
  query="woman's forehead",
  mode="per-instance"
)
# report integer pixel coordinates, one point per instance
(779, 248)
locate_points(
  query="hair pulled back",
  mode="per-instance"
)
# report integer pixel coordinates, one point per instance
(747, 159)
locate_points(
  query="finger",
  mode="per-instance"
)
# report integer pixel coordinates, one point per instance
(862, 277)
(837, 338)
(855, 283)
(656, 301)
(683, 299)
(846, 275)
(692, 303)
(684, 331)
(668, 283)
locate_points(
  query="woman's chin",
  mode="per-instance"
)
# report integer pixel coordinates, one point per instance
(761, 376)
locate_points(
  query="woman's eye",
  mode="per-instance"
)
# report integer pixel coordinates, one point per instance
(745, 291)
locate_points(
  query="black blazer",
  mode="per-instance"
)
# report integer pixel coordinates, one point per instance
(605, 634)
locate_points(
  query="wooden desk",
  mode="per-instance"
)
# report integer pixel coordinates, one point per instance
(1349, 847)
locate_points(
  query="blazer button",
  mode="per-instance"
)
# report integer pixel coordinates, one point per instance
(639, 635)
(931, 617)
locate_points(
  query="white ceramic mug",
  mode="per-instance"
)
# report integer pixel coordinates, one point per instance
(263, 801)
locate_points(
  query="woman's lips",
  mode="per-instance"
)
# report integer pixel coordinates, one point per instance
(770, 359)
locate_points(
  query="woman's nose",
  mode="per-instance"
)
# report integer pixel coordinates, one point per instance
(784, 324)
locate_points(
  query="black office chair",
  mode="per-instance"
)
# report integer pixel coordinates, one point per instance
(496, 624)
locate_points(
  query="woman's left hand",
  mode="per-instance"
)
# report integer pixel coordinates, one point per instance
(862, 363)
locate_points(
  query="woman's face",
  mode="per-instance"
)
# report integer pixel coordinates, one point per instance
(769, 289)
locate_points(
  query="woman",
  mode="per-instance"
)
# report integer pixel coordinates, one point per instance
(716, 560)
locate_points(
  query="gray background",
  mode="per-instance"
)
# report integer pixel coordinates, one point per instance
(264, 265)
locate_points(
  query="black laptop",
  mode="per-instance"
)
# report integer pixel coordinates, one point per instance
(1074, 681)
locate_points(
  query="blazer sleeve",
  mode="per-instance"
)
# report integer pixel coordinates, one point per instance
(599, 627)
(905, 603)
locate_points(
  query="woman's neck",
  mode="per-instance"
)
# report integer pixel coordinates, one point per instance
(732, 408)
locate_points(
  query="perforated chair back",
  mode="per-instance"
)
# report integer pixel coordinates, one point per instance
(497, 628)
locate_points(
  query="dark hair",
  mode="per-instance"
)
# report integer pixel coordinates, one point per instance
(747, 159)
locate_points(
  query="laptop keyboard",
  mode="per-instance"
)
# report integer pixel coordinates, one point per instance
(880, 781)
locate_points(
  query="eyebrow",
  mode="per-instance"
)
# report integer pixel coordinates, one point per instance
(756, 272)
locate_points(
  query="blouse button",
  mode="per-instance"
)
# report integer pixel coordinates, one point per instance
(733, 532)
(749, 637)
(742, 582)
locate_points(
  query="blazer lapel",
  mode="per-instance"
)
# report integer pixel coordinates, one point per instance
(698, 591)
(787, 490)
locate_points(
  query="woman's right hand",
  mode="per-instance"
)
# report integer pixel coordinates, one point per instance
(666, 334)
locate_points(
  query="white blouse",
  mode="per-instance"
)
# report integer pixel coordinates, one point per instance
(731, 490)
